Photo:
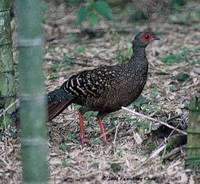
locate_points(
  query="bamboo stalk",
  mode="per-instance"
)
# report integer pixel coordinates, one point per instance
(7, 85)
(193, 141)
(32, 91)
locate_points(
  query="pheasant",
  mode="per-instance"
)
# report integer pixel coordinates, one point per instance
(104, 89)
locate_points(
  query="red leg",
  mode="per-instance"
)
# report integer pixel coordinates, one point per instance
(102, 130)
(82, 130)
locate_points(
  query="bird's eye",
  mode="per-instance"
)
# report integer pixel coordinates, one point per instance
(146, 36)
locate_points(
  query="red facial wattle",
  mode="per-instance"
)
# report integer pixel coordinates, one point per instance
(146, 37)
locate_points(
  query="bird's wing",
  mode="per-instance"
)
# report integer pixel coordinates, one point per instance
(91, 82)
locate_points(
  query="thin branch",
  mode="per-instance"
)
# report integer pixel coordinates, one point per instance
(157, 152)
(116, 131)
(155, 120)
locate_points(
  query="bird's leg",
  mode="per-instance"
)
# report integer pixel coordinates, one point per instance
(81, 112)
(102, 129)
(82, 130)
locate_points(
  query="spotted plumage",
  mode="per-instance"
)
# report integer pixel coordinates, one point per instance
(104, 89)
(90, 83)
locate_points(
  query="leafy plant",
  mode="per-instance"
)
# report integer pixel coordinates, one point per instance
(79, 50)
(91, 10)
(143, 126)
(103, 9)
(53, 75)
(65, 162)
(123, 55)
(175, 58)
(68, 60)
(141, 100)
(115, 167)
(181, 77)
(154, 93)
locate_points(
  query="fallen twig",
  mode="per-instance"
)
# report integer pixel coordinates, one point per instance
(155, 120)
(116, 131)
(173, 153)
(157, 152)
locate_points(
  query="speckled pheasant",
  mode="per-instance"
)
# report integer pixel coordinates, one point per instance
(104, 89)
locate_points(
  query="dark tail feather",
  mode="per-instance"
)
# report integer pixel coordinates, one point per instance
(58, 101)
(55, 109)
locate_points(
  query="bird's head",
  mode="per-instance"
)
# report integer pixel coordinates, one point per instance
(142, 39)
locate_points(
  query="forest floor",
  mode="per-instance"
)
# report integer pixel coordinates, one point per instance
(135, 155)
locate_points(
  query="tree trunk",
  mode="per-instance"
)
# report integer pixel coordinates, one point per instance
(7, 85)
(32, 91)
(193, 144)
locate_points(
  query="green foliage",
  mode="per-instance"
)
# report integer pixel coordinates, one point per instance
(154, 93)
(175, 58)
(71, 136)
(171, 59)
(79, 50)
(176, 3)
(88, 115)
(97, 141)
(141, 100)
(123, 55)
(143, 126)
(53, 75)
(152, 107)
(92, 19)
(181, 77)
(150, 146)
(71, 38)
(82, 14)
(67, 62)
(149, 181)
(116, 167)
(91, 10)
(143, 103)
(103, 9)
(65, 162)
(148, 105)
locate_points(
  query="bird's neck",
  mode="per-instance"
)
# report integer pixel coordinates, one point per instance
(139, 53)
(138, 58)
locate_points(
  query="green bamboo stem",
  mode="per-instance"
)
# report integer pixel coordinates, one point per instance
(7, 85)
(193, 143)
(32, 91)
